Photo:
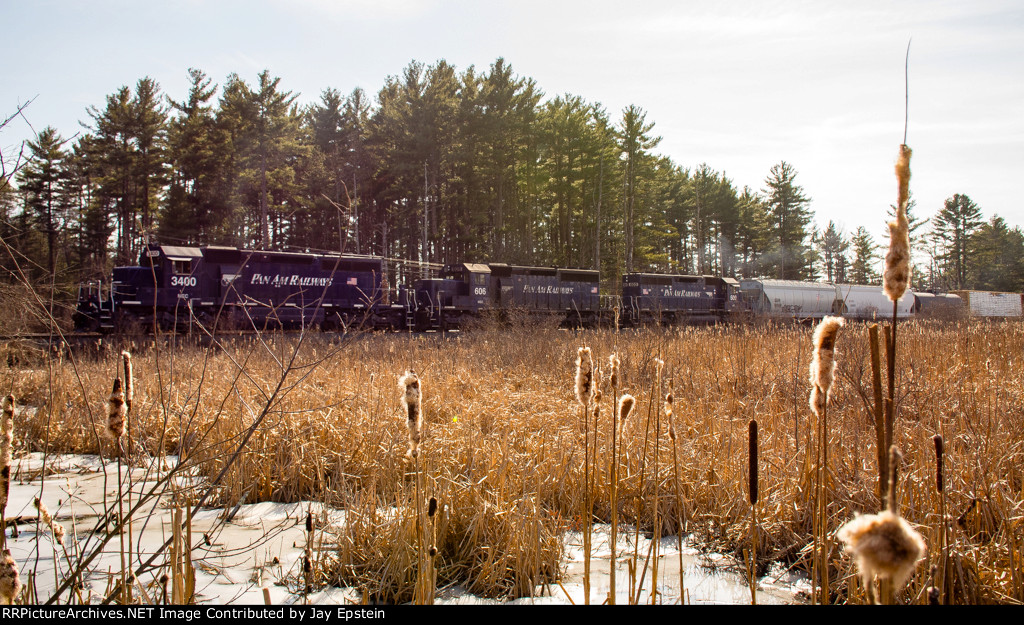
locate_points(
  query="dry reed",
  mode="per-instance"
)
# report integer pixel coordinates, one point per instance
(508, 469)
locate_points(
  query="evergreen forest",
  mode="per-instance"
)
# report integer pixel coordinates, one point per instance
(440, 166)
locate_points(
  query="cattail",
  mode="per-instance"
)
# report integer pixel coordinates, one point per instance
(613, 371)
(823, 365)
(668, 414)
(309, 522)
(6, 443)
(626, 403)
(897, 261)
(752, 459)
(937, 439)
(584, 376)
(411, 399)
(116, 410)
(10, 580)
(432, 507)
(884, 546)
(44, 515)
(129, 386)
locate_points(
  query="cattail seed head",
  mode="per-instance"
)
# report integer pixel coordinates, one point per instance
(626, 403)
(116, 410)
(584, 376)
(884, 545)
(613, 370)
(897, 260)
(10, 579)
(129, 384)
(411, 398)
(937, 439)
(895, 458)
(432, 551)
(752, 458)
(823, 365)
(432, 507)
(309, 522)
(6, 450)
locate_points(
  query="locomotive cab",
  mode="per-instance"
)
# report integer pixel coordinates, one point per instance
(462, 291)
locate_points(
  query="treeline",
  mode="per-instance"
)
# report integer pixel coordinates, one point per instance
(441, 166)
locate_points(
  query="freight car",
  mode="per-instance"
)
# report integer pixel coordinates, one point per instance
(175, 287)
(992, 305)
(871, 302)
(941, 306)
(789, 299)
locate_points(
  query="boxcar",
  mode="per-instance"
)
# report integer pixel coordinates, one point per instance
(991, 304)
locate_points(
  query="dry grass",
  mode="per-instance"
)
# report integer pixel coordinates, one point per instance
(503, 452)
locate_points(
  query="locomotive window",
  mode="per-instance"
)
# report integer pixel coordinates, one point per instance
(182, 267)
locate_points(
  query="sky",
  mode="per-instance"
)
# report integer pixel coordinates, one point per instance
(739, 85)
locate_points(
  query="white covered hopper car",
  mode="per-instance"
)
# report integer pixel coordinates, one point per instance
(790, 299)
(871, 302)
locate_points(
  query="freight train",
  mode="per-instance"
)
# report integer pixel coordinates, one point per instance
(176, 287)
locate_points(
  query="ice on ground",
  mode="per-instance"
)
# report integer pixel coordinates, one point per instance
(242, 552)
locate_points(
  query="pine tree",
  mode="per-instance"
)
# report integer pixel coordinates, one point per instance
(635, 143)
(42, 181)
(997, 254)
(952, 229)
(263, 123)
(832, 250)
(865, 258)
(754, 233)
(790, 217)
(195, 208)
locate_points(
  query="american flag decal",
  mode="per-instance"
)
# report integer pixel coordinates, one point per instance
(351, 281)
(593, 289)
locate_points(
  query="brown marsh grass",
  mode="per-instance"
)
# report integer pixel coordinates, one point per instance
(502, 446)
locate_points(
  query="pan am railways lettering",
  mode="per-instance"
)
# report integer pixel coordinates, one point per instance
(293, 280)
(547, 290)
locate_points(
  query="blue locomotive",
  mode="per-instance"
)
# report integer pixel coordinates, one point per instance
(177, 288)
